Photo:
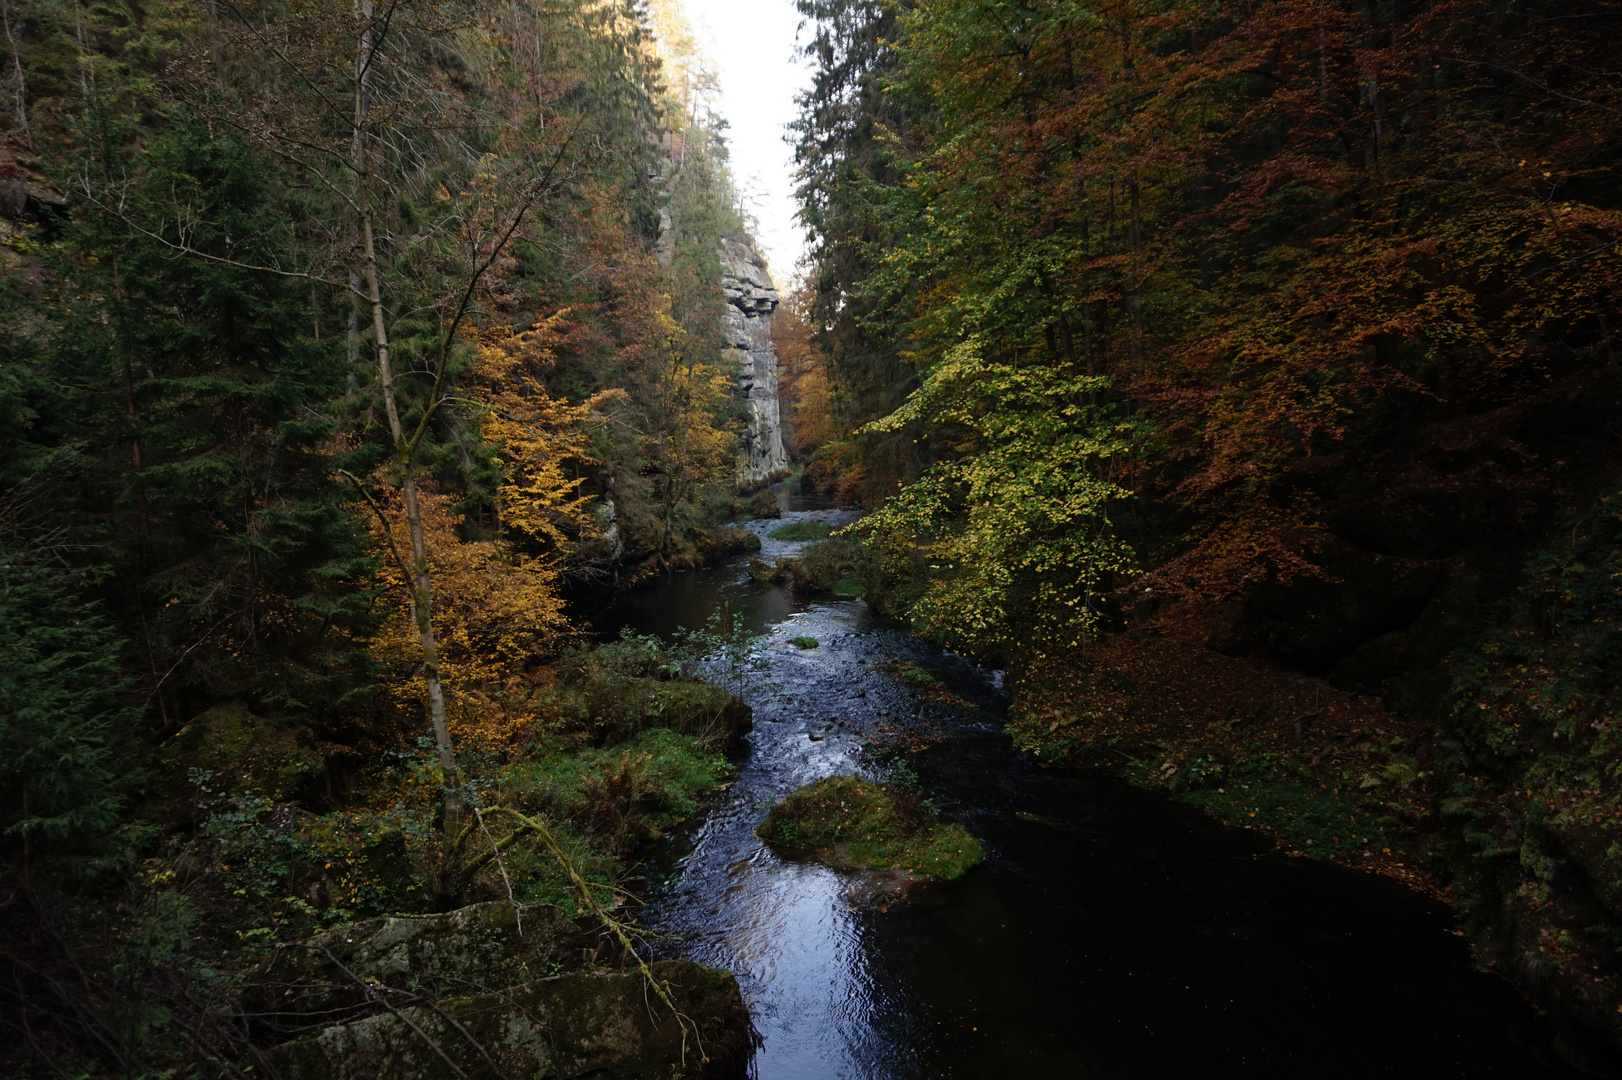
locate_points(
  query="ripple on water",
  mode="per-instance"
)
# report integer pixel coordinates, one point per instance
(1108, 933)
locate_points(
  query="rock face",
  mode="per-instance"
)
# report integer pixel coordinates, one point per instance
(490, 990)
(751, 299)
(607, 1026)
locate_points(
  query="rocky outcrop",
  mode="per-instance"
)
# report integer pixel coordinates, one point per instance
(489, 990)
(751, 299)
(607, 1026)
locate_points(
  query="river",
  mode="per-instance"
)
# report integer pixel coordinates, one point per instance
(1110, 932)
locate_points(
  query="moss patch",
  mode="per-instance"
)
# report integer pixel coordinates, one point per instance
(848, 822)
(242, 752)
(803, 642)
(915, 675)
(617, 690)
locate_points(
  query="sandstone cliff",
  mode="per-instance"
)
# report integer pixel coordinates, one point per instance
(751, 298)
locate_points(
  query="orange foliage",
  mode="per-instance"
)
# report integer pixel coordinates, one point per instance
(497, 608)
(802, 381)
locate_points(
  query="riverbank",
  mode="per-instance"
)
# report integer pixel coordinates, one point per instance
(1109, 929)
(567, 774)
(1330, 775)
(1186, 704)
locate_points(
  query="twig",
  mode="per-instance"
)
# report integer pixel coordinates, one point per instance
(371, 992)
(388, 529)
(187, 249)
(495, 853)
(614, 925)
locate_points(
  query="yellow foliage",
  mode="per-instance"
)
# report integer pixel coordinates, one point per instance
(693, 451)
(496, 608)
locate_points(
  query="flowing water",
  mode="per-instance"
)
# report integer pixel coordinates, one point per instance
(1109, 933)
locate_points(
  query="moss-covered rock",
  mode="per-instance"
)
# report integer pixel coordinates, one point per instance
(764, 504)
(845, 821)
(619, 690)
(605, 1025)
(837, 567)
(242, 751)
(721, 543)
(490, 945)
(626, 707)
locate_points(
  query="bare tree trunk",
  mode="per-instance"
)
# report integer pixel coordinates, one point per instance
(422, 579)
(1134, 301)
(17, 65)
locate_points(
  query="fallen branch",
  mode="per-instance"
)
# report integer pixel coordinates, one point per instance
(617, 928)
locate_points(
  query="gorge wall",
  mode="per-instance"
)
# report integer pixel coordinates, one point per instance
(751, 299)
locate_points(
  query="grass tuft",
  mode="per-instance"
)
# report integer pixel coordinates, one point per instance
(803, 642)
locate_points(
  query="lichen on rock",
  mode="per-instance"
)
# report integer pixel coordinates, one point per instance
(604, 1025)
(477, 947)
(487, 990)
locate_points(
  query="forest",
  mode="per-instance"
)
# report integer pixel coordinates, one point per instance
(1243, 378)
(1240, 379)
(343, 347)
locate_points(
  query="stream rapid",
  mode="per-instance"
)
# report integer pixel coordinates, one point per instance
(1111, 932)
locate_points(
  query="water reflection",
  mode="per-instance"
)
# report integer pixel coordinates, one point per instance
(688, 600)
(1109, 933)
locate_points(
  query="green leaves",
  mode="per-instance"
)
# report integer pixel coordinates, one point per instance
(62, 714)
(1016, 530)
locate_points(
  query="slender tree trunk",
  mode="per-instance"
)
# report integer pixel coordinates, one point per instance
(1134, 302)
(17, 727)
(144, 519)
(17, 66)
(422, 579)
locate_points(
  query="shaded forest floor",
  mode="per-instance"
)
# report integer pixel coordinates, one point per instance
(1328, 773)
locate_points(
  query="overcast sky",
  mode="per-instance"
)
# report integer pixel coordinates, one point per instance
(752, 43)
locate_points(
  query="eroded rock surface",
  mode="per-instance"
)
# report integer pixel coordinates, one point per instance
(604, 1025)
(473, 949)
(490, 990)
(751, 298)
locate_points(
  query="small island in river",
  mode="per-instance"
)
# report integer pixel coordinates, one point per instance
(847, 822)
